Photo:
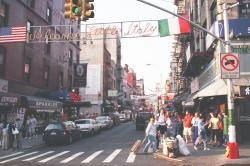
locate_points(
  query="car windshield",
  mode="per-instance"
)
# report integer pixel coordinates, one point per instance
(57, 126)
(101, 118)
(82, 122)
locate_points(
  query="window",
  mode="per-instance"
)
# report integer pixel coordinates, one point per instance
(244, 10)
(60, 81)
(49, 14)
(48, 48)
(70, 57)
(213, 12)
(46, 75)
(31, 3)
(2, 60)
(27, 68)
(77, 58)
(4, 14)
(29, 25)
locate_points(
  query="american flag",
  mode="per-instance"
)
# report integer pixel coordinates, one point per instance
(12, 34)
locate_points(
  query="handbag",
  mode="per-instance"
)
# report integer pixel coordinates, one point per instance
(15, 131)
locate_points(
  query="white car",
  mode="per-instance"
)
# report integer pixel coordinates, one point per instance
(88, 126)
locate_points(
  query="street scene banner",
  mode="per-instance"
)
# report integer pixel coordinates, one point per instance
(80, 75)
(128, 29)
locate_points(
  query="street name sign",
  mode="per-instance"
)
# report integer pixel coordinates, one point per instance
(230, 66)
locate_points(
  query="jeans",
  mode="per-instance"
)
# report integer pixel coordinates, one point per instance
(151, 142)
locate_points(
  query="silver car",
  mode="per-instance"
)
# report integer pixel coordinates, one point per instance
(105, 121)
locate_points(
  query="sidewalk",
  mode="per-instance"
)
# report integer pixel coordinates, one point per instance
(216, 156)
(27, 143)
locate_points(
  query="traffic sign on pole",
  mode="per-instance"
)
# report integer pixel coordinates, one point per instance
(230, 66)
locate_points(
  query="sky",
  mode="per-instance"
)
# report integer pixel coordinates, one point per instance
(148, 56)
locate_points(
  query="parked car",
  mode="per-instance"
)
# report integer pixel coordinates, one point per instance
(122, 117)
(105, 121)
(115, 118)
(142, 119)
(61, 132)
(88, 126)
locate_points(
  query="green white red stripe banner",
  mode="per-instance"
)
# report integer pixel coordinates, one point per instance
(173, 26)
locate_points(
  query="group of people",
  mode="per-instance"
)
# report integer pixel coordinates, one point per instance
(12, 133)
(197, 129)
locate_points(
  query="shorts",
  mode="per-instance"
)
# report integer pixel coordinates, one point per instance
(187, 131)
(162, 129)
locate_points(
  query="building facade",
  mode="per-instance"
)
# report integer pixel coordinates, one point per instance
(30, 69)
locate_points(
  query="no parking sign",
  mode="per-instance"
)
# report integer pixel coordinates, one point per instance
(230, 66)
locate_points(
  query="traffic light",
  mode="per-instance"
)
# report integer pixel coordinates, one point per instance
(87, 8)
(68, 9)
(77, 7)
(72, 9)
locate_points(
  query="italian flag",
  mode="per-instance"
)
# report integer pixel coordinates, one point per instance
(173, 26)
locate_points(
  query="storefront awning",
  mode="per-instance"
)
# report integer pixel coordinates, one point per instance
(40, 104)
(217, 88)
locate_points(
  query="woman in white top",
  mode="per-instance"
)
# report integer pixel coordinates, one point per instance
(150, 133)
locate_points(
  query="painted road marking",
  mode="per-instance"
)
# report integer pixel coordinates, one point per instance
(91, 157)
(52, 157)
(5, 161)
(112, 156)
(40, 155)
(131, 158)
(71, 157)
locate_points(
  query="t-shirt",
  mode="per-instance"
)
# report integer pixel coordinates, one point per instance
(215, 123)
(187, 121)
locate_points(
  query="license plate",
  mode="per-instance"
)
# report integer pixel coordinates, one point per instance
(53, 133)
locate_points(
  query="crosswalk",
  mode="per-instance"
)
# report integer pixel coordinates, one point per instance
(66, 156)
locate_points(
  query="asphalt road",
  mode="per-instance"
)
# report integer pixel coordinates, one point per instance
(110, 147)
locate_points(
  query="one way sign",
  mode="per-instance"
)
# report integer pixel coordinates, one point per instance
(245, 90)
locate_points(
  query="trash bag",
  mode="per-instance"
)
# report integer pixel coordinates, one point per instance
(165, 148)
(183, 149)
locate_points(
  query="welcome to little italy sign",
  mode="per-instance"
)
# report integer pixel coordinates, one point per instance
(129, 29)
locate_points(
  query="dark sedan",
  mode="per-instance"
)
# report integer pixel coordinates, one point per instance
(142, 119)
(61, 132)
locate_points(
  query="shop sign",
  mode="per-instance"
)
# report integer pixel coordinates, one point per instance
(241, 49)
(8, 100)
(46, 104)
(245, 90)
(112, 93)
(80, 75)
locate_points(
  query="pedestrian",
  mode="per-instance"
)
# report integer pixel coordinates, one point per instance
(33, 125)
(202, 134)
(214, 125)
(194, 122)
(19, 136)
(1, 132)
(150, 133)
(177, 123)
(15, 133)
(187, 132)
(28, 127)
(10, 135)
(225, 128)
(170, 125)
(161, 121)
(5, 142)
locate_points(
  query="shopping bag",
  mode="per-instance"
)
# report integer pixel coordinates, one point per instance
(183, 149)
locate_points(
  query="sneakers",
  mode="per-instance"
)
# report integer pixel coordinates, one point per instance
(195, 147)
(206, 149)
